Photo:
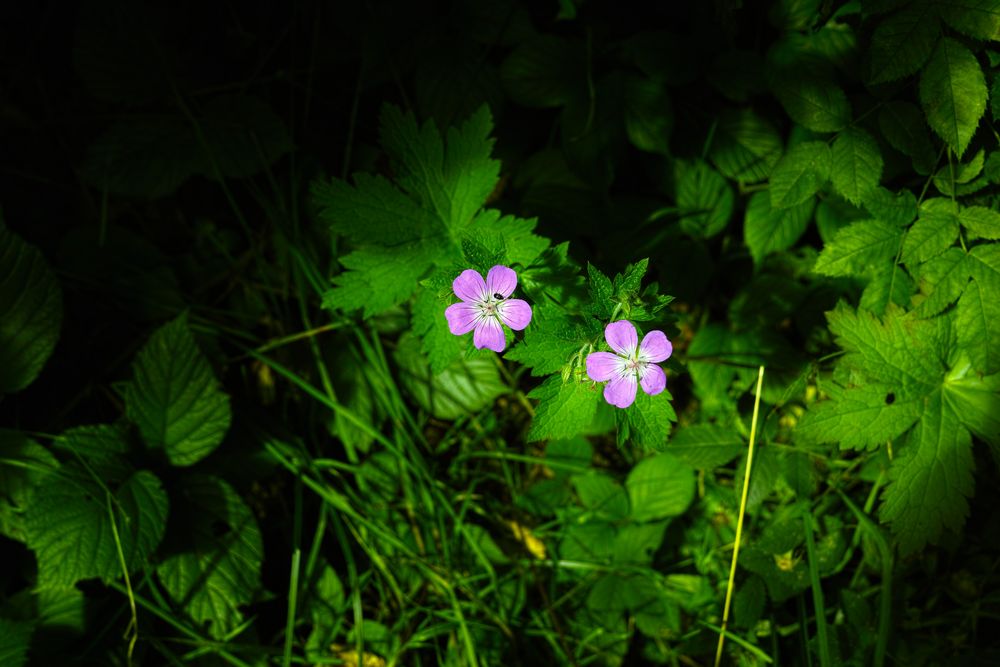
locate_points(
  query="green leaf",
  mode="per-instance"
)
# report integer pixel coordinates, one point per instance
(466, 386)
(440, 345)
(546, 71)
(564, 408)
(857, 164)
(975, 400)
(903, 41)
(647, 422)
(649, 118)
(745, 146)
(953, 93)
(942, 280)
(862, 417)
(372, 211)
(601, 293)
(930, 235)
(660, 486)
(706, 446)
(15, 636)
(704, 199)
(978, 326)
(930, 479)
(68, 525)
(602, 495)
(378, 278)
(899, 208)
(521, 246)
(857, 247)
(768, 230)
(24, 465)
(984, 265)
(30, 312)
(636, 543)
(811, 100)
(216, 552)
(800, 174)
(904, 127)
(174, 397)
(981, 222)
(976, 18)
(889, 284)
(552, 339)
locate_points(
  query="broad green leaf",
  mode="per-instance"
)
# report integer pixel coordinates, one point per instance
(930, 235)
(857, 247)
(981, 222)
(903, 41)
(745, 146)
(942, 280)
(602, 495)
(564, 408)
(174, 397)
(978, 326)
(647, 422)
(649, 117)
(24, 465)
(706, 446)
(857, 164)
(984, 265)
(30, 312)
(899, 208)
(863, 417)
(216, 552)
(15, 636)
(466, 386)
(377, 278)
(552, 340)
(816, 103)
(704, 199)
(660, 486)
(636, 543)
(953, 93)
(800, 174)
(930, 479)
(975, 400)
(545, 71)
(904, 127)
(68, 526)
(768, 230)
(975, 18)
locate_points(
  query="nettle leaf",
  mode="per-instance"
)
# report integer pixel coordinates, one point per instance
(981, 222)
(647, 422)
(174, 398)
(978, 325)
(660, 486)
(30, 312)
(706, 446)
(857, 247)
(904, 127)
(953, 93)
(564, 408)
(857, 164)
(704, 199)
(800, 174)
(601, 293)
(976, 18)
(903, 42)
(745, 146)
(930, 479)
(68, 525)
(768, 230)
(552, 339)
(811, 99)
(216, 552)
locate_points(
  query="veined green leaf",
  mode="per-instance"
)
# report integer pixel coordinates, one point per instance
(602, 495)
(551, 341)
(24, 465)
(660, 486)
(174, 397)
(888, 284)
(768, 230)
(30, 312)
(800, 174)
(15, 636)
(975, 18)
(904, 127)
(942, 279)
(647, 422)
(857, 247)
(706, 446)
(978, 326)
(981, 222)
(745, 147)
(953, 93)
(380, 277)
(544, 72)
(217, 552)
(903, 41)
(857, 164)
(649, 118)
(899, 208)
(862, 417)
(564, 408)
(704, 197)
(811, 100)
(930, 235)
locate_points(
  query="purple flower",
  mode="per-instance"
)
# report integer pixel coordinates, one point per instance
(631, 364)
(485, 306)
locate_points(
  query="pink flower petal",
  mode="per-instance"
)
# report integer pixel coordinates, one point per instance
(461, 317)
(655, 347)
(469, 286)
(620, 392)
(603, 366)
(621, 337)
(501, 280)
(653, 380)
(515, 313)
(489, 334)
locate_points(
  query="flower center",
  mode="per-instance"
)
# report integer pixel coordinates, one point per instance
(634, 365)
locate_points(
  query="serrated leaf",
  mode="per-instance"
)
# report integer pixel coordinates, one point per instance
(857, 164)
(899, 208)
(174, 398)
(564, 408)
(601, 495)
(978, 326)
(929, 236)
(745, 146)
(15, 637)
(889, 284)
(30, 312)
(942, 279)
(857, 247)
(706, 446)
(601, 292)
(521, 246)
(68, 525)
(440, 345)
(975, 400)
(551, 340)
(704, 198)
(930, 479)
(976, 18)
(903, 41)
(800, 174)
(904, 127)
(981, 222)
(659, 486)
(953, 93)
(372, 211)
(984, 265)
(768, 230)
(647, 422)
(378, 278)
(862, 417)
(24, 465)
(811, 100)
(216, 552)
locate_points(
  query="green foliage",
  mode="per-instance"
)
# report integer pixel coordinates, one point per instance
(953, 94)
